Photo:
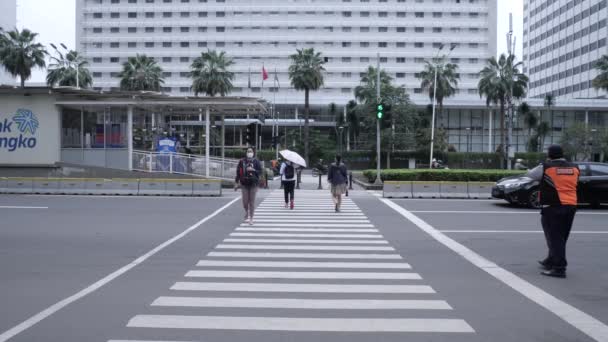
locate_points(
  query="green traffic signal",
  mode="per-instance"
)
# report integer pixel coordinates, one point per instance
(380, 111)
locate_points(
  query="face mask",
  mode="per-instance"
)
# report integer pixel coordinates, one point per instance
(250, 155)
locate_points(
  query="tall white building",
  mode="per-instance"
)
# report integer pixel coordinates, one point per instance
(563, 39)
(8, 21)
(256, 33)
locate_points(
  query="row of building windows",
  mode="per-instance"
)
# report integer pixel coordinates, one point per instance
(307, 1)
(327, 29)
(569, 55)
(400, 60)
(575, 36)
(569, 89)
(564, 74)
(548, 3)
(244, 75)
(417, 45)
(571, 21)
(222, 14)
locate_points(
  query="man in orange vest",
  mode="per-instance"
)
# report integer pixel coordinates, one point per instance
(558, 195)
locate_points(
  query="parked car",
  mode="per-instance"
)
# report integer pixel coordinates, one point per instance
(522, 190)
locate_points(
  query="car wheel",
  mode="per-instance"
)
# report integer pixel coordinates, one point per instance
(533, 199)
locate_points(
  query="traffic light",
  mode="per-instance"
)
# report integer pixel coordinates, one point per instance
(380, 111)
(250, 134)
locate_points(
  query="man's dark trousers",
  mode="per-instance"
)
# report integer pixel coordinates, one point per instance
(557, 223)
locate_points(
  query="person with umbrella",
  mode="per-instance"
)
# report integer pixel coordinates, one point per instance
(288, 175)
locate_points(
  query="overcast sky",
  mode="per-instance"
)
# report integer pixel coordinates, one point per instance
(55, 22)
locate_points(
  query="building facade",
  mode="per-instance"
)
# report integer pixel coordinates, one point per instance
(8, 21)
(563, 39)
(263, 33)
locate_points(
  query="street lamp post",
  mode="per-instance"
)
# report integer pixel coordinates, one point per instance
(378, 175)
(340, 132)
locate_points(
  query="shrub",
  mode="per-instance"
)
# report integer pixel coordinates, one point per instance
(441, 175)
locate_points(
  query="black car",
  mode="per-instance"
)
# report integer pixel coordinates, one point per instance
(522, 190)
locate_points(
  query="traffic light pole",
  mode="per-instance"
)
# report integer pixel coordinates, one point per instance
(378, 176)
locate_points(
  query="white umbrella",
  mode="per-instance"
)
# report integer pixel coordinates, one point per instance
(293, 157)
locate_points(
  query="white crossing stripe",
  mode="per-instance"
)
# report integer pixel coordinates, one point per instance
(303, 264)
(300, 241)
(294, 303)
(145, 341)
(301, 275)
(304, 255)
(314, 230)
(328, 225)
(258, 219)
(302, 288)
(302, 324)
(318, 216)
(370, 236)
(307, 247)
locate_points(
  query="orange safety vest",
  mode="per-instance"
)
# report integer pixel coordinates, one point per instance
(560, 183)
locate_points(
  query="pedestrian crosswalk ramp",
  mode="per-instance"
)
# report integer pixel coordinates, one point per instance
(309, 270)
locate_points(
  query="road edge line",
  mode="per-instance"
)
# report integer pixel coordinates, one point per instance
(580, 320)
(37, 318)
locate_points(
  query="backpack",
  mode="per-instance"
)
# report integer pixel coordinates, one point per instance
(248, 178)
(289, 171)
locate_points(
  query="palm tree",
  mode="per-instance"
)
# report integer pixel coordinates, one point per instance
(366, 92)
(352, 120)
(63, 73)
(210, 74)
(499, 82)
(306, 73)
(541, 131)
(601, 81)
(141, 73)
(447, 80)
(19, 53)
(530, 119)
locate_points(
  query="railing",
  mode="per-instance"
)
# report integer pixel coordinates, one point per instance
(186, 164)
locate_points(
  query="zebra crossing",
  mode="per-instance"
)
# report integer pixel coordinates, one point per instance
(303, 270)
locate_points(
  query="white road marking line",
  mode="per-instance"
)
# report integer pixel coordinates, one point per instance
(145, 341)
(323, 221)
(317, 230)
(365, 236)
(304, 255)
(301, 288)
(301, 275)
(304, 264)
(525, 212)
(575, 317)
(301, 324)
(307, 247)
(92, 288)
(296, 241)
(20, 207)
(289, 303)
(518, 231)
(326, 225)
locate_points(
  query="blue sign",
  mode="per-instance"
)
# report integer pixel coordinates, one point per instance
(167, 145)
(19, 131)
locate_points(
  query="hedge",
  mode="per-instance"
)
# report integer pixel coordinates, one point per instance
(441, 175)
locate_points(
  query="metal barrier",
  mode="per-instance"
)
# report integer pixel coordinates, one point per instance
(407, 189)
(185, 164)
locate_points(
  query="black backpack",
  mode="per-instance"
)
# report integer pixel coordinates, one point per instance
(289, 171)
(248, 178)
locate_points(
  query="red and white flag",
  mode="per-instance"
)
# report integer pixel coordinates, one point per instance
(264, 74)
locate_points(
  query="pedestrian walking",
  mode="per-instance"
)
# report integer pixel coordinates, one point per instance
(337, 177)
(558, 186)
(288, 179)
(248, 179)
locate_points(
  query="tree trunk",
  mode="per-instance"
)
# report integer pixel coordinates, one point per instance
(22, 81)
(306, 128)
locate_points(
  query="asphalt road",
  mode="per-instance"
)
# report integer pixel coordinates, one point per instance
(368, 273)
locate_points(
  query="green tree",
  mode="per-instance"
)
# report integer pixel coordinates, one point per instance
(306, 73)
(19, 53)
(141, 73)
(210, 74)
(576, 141)
(501, 81)
(542, 131)
(530, 118)
(62, 70)
(352, 120)
(447, 80)
(601, 80)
